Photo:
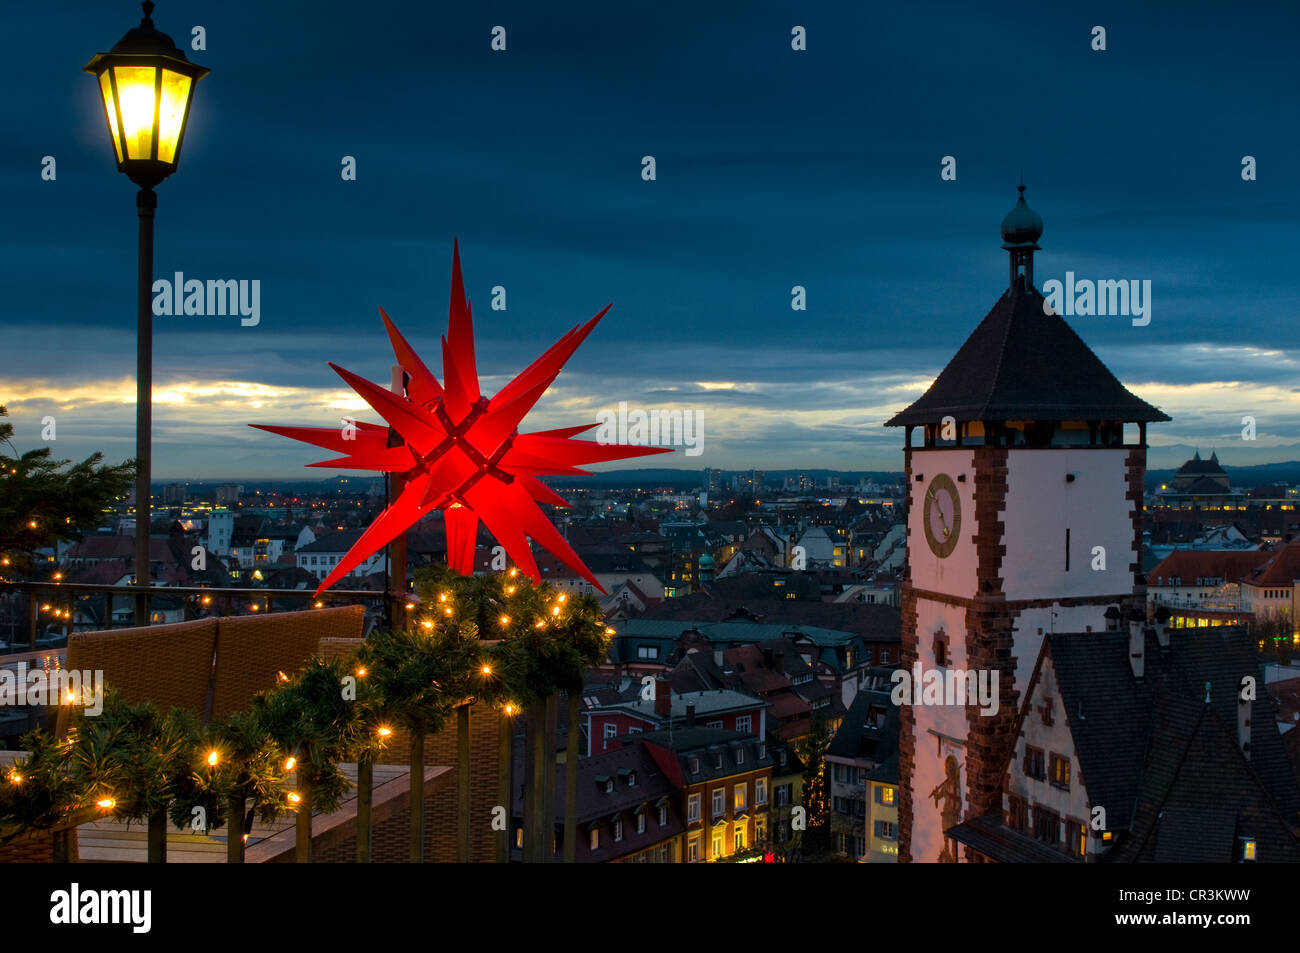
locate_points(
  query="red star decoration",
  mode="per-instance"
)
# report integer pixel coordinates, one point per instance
(461, 452)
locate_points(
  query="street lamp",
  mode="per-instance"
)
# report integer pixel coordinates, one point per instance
(147, 85)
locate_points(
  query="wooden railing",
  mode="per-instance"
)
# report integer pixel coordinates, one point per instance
(199, 602)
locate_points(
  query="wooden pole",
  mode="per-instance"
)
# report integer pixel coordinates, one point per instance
(158, 836)
(235, 830)
(533, 787)
(547, 821)
(365, 803)
(505, 790)
(417, 798)
(302, 824)
(462, 783)
(62, 845)
(571, 780)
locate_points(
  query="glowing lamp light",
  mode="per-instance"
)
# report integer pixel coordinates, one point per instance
(294, 798)
(15, 778)
(31, 524)
(283, 677)
(106, 803)
(427, 624)
(147, 85)
(289, 762)
(505, 620)
(510, 590)
(560, 597)
(487, 669)
(410, 605)
(212, 759)
(320, 605)
(510, 709)
(361, 673)
(384, 732)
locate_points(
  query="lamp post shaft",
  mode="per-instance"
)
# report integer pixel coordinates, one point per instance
(146, 202)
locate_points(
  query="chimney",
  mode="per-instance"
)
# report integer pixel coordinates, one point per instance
(663, 697)
(1243, 725)
(1136, 644)
(1162, 626)
(690, 715)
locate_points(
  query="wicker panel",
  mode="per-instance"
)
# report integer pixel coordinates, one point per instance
(169, 665)
(331, 648)
(252, 649)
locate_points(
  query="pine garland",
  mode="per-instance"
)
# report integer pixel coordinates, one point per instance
(132, 761)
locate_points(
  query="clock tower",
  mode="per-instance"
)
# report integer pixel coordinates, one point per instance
(1025, 462)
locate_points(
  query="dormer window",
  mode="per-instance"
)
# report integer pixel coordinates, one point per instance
(717, 760)
(695, 765)
(762, 750)
(740, 756)
(1247, 849)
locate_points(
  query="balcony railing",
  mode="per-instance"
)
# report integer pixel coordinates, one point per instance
(46, 602)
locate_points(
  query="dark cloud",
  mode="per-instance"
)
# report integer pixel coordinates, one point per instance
(775, 169)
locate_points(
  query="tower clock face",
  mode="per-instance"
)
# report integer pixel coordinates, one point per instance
(942, 515)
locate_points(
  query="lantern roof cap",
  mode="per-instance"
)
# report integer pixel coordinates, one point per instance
(148, 40)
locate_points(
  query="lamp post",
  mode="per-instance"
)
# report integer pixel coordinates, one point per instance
(147, 85)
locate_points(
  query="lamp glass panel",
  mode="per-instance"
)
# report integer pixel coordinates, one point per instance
(171, 113)
(106, 90)
(135, 89)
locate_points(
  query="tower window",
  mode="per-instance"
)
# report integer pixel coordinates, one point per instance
(941, 648)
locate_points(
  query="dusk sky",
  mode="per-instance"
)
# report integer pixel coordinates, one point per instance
(775, 168)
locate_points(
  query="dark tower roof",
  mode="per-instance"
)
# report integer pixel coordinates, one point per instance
(1197, 465)
(1023, 364)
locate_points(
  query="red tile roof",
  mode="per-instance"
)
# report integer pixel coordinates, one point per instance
(1282, 568)
(1186, 565)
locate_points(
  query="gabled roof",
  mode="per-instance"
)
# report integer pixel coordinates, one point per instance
(1281, 569)
(1022, 364)
(1161, 754)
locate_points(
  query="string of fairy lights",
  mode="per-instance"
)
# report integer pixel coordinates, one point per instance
(498, 640)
